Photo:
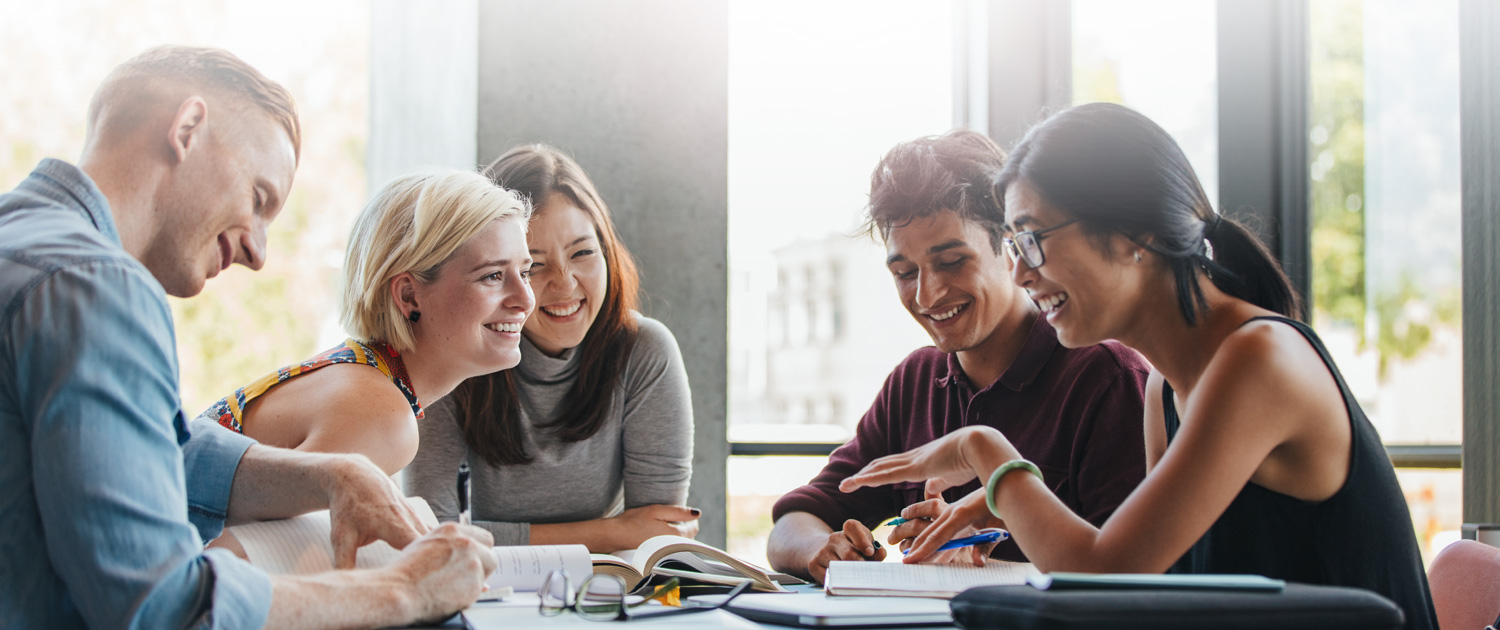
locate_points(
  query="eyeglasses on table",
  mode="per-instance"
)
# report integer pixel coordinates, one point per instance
(604, 598)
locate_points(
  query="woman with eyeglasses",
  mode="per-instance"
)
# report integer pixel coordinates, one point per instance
(1259, 458)
(590, 439)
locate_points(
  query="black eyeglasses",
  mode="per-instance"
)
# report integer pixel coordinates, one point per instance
(1027, 245)
(603, 598)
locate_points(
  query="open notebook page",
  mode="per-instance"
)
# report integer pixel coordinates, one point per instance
(301, 545)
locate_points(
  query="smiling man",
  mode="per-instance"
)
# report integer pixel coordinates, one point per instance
(1074, 412)
(106, 491)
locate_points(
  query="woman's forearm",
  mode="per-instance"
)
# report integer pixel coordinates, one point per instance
(595, 534)
(1050, 534)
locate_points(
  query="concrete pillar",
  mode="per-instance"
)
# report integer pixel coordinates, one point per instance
(637, 92)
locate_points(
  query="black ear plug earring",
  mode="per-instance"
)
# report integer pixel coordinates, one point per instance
(414, 316)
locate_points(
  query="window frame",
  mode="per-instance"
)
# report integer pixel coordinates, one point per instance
(1263, 108)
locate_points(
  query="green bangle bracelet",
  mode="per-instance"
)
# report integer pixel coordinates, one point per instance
(989, 488)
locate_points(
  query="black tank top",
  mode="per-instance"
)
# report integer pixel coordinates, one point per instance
(1361, 536)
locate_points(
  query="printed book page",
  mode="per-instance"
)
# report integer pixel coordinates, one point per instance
(707, 564)
(919, 580)
(525, 567)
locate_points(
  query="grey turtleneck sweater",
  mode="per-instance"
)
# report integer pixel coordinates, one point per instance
(641, 456)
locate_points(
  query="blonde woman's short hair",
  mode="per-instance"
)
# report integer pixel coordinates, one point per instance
(414, 224)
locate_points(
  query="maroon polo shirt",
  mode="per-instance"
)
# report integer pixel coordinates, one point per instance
(1076, 413)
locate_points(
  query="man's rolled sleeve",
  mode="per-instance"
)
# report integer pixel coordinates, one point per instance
(95, 340)
(210, 458)
(242, 593)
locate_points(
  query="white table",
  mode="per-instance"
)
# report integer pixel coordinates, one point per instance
(520, 611)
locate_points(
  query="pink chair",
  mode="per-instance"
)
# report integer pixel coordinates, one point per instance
(1465, 581)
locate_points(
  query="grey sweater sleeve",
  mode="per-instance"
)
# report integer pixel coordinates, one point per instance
(658, 425)
(643, 458)
(433, 473)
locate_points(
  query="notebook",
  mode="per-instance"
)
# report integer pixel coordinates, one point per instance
(301, 545)
(817, 610)
(891, 579)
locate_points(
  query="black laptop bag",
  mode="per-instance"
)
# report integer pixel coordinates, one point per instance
(1298, 607)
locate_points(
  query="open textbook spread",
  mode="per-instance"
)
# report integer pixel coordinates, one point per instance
(893, 579)
(302, 545)
(688, 559)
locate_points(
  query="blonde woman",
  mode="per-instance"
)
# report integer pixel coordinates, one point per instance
(436, 290)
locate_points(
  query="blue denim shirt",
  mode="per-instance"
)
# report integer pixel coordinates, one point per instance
(106, 495)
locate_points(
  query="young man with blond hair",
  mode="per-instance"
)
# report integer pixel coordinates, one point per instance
(107, 492)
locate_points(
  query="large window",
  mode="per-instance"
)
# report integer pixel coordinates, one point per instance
(1158, 58)
(244, 324)
(1383, 148)
(818, 92)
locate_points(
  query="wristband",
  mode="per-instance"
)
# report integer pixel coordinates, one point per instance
(989, 488)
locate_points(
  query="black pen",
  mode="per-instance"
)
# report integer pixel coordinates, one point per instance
(463, 493)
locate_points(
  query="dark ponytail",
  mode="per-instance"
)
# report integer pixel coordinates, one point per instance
(1244, 268)
(1117, 172)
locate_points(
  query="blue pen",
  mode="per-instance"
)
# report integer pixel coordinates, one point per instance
(995, 535)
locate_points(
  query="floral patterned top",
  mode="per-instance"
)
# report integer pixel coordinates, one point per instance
(230, 410)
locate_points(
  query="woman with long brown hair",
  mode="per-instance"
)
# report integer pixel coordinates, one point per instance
(590, 439)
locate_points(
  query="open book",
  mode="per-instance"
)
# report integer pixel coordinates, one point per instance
(894, 579)
(689, 559)
(301, 545)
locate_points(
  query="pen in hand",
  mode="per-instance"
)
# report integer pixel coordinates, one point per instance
(899, 521)
(982, 538)
(463, 493)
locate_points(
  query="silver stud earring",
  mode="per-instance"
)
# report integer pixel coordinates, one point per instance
(1138, 255)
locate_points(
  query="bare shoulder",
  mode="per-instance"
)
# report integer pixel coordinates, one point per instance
(1269, 352)
(344, 407)
(357, 387)
(1268, 381)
